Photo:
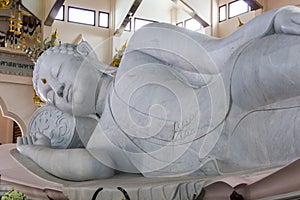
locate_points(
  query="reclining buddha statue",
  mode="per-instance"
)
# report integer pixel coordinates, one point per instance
(181, 103)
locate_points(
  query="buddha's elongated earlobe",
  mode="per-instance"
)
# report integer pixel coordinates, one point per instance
(86, 50)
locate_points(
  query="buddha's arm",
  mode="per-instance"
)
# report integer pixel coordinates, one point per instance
(70, 164)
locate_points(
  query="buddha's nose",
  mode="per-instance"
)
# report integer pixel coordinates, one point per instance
(59, 89)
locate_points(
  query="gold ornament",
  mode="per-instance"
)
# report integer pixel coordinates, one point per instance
(4, 3)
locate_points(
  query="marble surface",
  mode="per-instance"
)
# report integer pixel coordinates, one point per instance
(37, 183)
(137, 186)
(23, 179)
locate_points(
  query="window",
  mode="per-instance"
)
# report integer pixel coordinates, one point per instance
(192, 24)
(81, 16)
(103, 19)
(180, 24)
(237, 8)
(222, 13)
(60, 14)
(138, 23)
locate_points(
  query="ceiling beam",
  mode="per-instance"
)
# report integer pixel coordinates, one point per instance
(189, 10)
(253, 4)
(53, 12)
(128, 17)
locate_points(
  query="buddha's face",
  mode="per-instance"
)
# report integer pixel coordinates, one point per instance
(66, 82)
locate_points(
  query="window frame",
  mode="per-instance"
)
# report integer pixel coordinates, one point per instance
(226, 11)
(108, 17)
(180, 24)
(142, 19)
(85, 9)
(63, 15)
(230, 17)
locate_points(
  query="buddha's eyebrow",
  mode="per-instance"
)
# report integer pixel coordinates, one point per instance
(56, 70)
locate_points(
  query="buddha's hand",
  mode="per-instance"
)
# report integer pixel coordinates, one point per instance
(34, 139)
(287, 20)
(26, 145)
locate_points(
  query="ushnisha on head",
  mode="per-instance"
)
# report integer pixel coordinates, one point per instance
(68, 77)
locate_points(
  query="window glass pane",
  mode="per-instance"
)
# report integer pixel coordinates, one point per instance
(138, 23)
(82, 16)
(128, 26)
(237, 8)
(222, 13)
(103, 19)
(60, 14)
(192, 24)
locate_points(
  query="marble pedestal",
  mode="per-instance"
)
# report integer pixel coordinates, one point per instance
(38, 184)
(137, 186)
(23, 180)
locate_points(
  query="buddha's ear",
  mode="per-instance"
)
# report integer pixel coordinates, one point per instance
(85, 49)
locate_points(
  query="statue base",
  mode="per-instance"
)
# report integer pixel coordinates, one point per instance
(36, 183)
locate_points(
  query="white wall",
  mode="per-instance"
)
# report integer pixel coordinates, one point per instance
(230, 25)
(274, 4)
(99, 38)
(36, 6)
(203, 8)
(121, 9)
(182, 15)
(156, 10)
(16, 99)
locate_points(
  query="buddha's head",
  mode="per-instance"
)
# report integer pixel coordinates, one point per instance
(67, 76)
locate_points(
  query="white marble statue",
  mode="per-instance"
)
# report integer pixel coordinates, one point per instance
(181, 103)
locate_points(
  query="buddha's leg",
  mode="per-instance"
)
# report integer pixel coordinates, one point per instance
(266, 71)
(262, 139)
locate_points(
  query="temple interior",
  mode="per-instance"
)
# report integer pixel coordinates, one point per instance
(29, 27)
(215, 20)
